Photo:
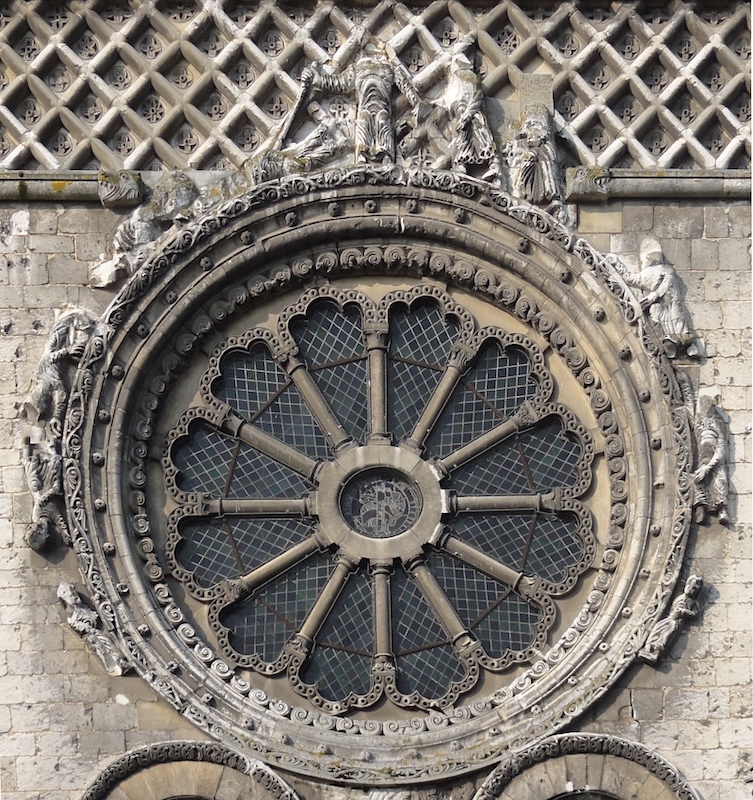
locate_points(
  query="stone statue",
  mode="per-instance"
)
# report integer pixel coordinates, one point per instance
(46, 405)
(661, 299)
(134, 238)
(663, 634)
(44, 474)
(323, 145)
(371, 80)
(711, 475)
(47, 399)
(532, 159)
(85, 621)
(472, 144)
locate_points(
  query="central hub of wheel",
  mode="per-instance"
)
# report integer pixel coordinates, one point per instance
(380, 503)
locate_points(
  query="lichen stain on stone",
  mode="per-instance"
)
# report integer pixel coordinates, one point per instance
(59, 186)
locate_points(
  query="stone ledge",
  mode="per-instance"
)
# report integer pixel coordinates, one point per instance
(585, 184)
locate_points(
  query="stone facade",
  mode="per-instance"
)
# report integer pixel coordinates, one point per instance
(64, 719)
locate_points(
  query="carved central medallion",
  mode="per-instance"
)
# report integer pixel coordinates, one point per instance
(380, 504)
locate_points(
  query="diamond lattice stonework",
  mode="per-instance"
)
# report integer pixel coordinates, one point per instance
(138, 77)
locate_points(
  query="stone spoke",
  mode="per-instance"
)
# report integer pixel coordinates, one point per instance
(238, 589)
(480, 561)
(273, 507)
(457, 365)
(326, 600)
(317, 405)
(503, 502)
(376, 345)
(264, 443)
(526, 416)
(461, 638)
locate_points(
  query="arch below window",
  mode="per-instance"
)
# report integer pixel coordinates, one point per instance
(586, 766)
(184, 770)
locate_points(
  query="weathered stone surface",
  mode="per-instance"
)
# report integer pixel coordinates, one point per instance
(60, 723)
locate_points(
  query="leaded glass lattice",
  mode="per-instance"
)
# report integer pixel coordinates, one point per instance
(364, 564)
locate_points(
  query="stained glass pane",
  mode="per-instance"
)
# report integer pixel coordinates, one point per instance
(249, 381)
(255, 386)
(420, 345)
(505, 537)
(426, 661)
(537, 460)
(551, 455)
(204, 459)
(217, 549)
(532, 542)
(257, 475)
(555, 546)
(511, 624)
(341, 661)
(208, 460)
(498, 383)
(498, 471)
(264, 622)
(333, 347)
(499, 617)
(207, 551)
(287, 418)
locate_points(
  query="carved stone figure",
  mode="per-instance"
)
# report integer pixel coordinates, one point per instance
(323, 145)
(132, 241)
(44, 473)
(370, 80)
(426, 144)
(85, 621)
(711, 476)
(117, 189)
(663, 634)
(532, 158)
(48, 397)
(661, 299)
(472, 144)
(45, 405)
(588, 183)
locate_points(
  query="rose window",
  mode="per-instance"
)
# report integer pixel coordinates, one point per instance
(377, 497)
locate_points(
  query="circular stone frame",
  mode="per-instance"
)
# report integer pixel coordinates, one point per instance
(444, 230)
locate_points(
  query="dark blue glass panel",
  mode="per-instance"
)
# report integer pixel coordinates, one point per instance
(341, 662)
(263, 623)
(217, 549)
(536, 460)
(333, 346)
(204, 459)
(426, 661)
(499, 617)
(420, 346)
(496, 385)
